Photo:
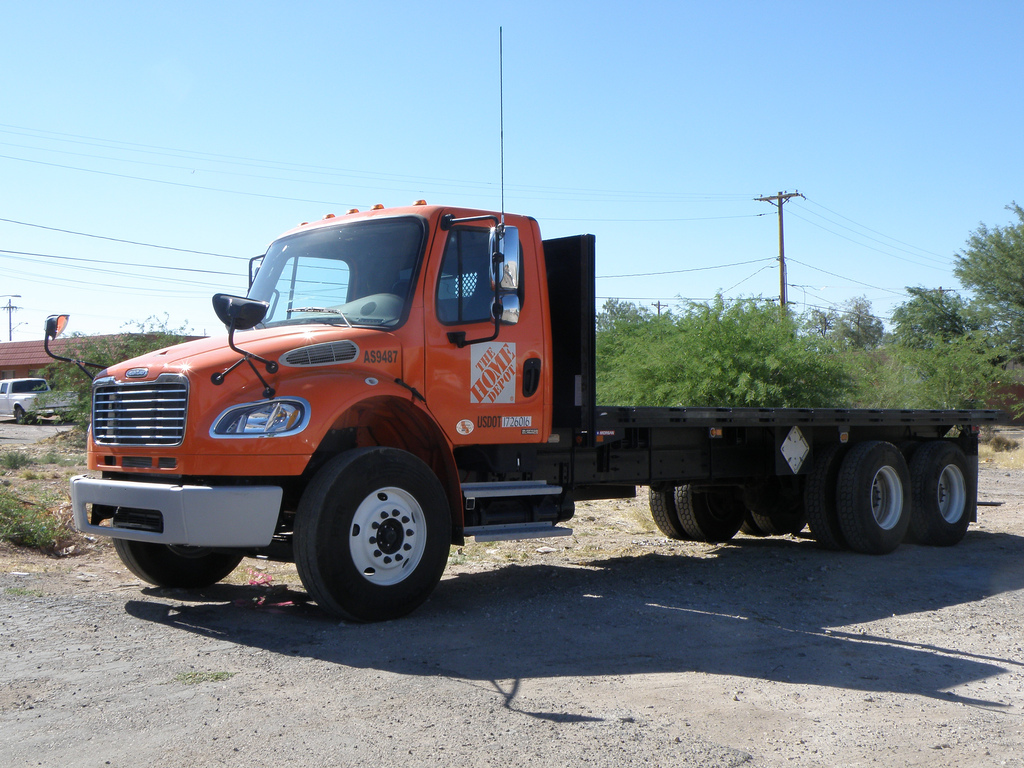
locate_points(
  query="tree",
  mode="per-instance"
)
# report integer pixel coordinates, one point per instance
(616, 312)
(135, 339)
(992, 265)
(857, 327)
(717, 354)
(820, 322)
(962, 372)
(933, 315)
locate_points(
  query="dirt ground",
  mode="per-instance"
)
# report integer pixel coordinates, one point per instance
(612, 647)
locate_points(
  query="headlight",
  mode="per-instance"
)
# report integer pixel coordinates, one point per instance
(270, 418)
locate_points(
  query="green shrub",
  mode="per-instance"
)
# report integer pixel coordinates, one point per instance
(717, 354)
(31, 524)
(15, 460)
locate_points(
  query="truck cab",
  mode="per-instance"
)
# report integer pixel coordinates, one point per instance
(408, 334)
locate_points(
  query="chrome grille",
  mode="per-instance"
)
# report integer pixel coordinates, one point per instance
(147, 413)
(322, 354)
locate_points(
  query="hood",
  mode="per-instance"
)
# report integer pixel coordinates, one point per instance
(213, 353)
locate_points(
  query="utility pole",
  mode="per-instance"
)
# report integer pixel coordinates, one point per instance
(778, 201)
(10, 308)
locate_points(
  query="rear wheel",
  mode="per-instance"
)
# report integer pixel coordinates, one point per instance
(663, 509)
(372, 533)
(943, 493)
(776, 507)
(711, 515)
(872, 498)
(175, 566)
(820, 497)
(750, 526)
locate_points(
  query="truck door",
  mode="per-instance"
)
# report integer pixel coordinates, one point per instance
(486, 391)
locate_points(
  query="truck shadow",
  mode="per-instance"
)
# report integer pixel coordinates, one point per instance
(777, 610)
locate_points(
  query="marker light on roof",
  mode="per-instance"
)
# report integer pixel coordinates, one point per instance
(353, 210)
(328, 216)
(378, 207)
(420, 202)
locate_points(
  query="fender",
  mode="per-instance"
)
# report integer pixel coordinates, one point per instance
(393, 416)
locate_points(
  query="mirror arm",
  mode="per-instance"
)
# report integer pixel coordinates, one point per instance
(247, 357)
(80, 363)
(252, 262)
(448, 220)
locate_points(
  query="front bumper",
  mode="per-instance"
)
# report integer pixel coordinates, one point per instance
(191, 515)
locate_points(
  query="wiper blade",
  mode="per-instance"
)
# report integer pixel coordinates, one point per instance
(323, 310)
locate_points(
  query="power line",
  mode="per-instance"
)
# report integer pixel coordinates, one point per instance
(118, 263)
(318, 170)
(870, 248)
(120, 240)
(180, 184)
(680, 271)
(842, 277)
(881, 234)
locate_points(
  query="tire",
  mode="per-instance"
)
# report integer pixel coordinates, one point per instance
(339, 553)
(663, 510)
(711, 516)
(782, 521)
(944, 494)
(19, 415)
(873, 497)
(171, 566)
(820, 497)
(750, 526)
(774, 508)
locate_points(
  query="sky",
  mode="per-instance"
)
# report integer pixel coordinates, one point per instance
(147, 151)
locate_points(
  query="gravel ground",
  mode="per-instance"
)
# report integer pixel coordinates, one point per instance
(613, 647)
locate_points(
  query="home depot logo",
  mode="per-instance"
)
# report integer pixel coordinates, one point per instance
(493, 374)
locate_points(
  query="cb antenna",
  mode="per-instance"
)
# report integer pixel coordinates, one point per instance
(501, 120)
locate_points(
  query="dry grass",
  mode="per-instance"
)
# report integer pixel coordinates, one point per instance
(1003, 459)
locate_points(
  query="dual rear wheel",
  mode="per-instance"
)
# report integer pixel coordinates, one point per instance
(866, 497)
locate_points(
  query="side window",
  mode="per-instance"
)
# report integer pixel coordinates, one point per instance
(3, 388)
(464, 293)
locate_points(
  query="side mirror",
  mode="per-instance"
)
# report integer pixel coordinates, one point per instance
(55, 325)
(239, 313)
(505, 248)
(504, 243)
(509, 309)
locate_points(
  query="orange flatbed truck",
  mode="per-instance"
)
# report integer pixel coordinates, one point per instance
(398, 380)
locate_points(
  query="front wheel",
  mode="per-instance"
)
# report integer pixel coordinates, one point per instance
(171, 566)
(19, 415)
(372, 533)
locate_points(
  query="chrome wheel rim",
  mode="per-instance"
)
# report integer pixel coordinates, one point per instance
(886, 498)
(951, 493)
(388, 536)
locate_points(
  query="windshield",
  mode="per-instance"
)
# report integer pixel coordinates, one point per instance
(360, 273)
(30, 385)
